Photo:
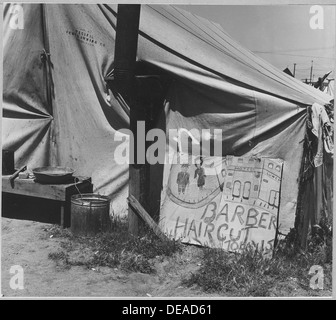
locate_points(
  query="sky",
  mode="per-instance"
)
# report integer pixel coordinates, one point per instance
(280, 34)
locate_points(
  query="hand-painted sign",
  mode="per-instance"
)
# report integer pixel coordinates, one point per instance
(224, 202)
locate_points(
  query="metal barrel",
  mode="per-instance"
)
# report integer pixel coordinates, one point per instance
(90, 214)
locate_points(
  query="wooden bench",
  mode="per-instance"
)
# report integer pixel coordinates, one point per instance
(59, 192)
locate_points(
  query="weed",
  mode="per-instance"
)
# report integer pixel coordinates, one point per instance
(58, 255)
(61, 258)
(249, 273)
(58, 232)
(116, 248)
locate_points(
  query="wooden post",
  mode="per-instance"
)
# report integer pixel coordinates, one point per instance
(138, 173)
(142, 93)
(125, 58)
(125, 50)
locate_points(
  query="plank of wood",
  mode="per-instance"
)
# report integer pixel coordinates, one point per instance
(142, 213)
(28, 187)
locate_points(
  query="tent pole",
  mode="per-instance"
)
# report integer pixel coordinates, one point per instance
(294, 70)
(124, 75)
(45, 55)
(311, 73)
(45, 58)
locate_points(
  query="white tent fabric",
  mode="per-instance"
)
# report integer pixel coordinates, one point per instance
(330, 88)
(217, 84)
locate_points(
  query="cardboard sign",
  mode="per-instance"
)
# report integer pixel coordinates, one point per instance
(224, 202)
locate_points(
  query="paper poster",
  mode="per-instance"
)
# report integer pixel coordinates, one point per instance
(224, 202)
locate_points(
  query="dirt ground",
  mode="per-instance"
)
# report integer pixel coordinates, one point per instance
(25, 243)
(28, 244)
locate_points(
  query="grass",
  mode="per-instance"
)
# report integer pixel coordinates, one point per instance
(114, 249)
(243, 274)
(249, 273)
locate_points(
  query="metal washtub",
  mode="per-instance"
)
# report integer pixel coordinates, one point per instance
(53, 175)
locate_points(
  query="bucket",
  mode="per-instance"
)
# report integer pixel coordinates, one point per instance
(90, 214)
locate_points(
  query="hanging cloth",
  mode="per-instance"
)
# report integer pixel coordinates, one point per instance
(321, 128)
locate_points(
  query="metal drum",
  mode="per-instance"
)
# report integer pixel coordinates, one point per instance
(90, 214)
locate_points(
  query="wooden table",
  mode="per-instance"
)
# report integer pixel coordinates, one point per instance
(58, 192)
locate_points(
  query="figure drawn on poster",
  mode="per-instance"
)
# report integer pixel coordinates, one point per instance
(183, 178)
(193, 184)
(200, 173)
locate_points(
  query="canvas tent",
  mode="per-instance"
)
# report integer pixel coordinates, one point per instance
(57, 109)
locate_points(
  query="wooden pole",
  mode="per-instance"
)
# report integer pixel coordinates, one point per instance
(143, 94)
(125, 50)
(294, 70)
(125, 58)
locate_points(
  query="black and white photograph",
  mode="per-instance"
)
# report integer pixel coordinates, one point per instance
(161, 150)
